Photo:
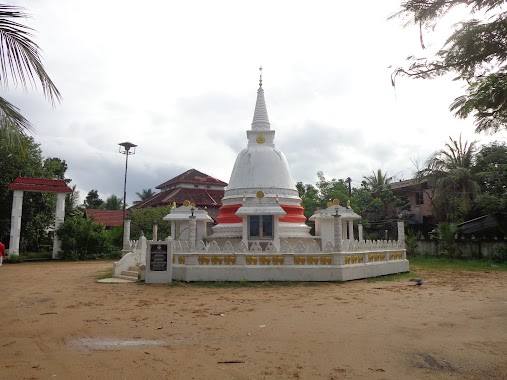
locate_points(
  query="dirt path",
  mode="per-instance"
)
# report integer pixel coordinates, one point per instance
(58, 323)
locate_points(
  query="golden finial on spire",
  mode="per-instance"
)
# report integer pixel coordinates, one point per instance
(260, 77)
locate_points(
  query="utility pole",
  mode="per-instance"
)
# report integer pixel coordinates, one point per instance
(348, 180)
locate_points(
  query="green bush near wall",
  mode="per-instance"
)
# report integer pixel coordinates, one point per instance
(82, 239)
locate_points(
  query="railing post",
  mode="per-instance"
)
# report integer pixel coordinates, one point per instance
(337, 232)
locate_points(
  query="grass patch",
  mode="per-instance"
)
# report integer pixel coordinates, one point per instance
(13, 259)
(442, 263)
(46, 255)
(107, 274)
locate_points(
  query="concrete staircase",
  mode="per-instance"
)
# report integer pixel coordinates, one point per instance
(131, 274)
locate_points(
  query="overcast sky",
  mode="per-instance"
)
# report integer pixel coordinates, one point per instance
(179, 79)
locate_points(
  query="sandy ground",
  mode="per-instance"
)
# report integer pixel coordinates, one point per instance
(57, 322)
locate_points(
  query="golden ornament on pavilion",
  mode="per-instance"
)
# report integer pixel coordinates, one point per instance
(336, 202)
(186, 203)
(260, 194)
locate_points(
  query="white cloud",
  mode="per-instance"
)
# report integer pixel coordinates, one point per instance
(180, 79)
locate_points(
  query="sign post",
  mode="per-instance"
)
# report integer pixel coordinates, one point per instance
(159, 262)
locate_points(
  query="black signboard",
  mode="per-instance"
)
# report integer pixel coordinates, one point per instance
(158, 257)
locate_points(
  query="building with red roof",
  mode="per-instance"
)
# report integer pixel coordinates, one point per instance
(108, 218)
(198, 188)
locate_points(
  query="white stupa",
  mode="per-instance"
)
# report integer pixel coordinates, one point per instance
(261, 202)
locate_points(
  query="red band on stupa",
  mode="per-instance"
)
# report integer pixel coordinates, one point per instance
(294, 214)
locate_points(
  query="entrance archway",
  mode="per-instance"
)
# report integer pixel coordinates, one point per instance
(38, 185)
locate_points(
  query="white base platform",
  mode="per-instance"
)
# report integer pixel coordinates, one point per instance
(193, 273)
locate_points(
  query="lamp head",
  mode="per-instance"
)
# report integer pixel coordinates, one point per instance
(126, 148)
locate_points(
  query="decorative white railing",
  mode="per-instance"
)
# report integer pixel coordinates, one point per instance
(353, 252)
(276, 258)
(182, 246)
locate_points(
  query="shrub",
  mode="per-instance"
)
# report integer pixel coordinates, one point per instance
(83, 239)
(411, 241)
(499, 255)
(14, 259)
(446, 233)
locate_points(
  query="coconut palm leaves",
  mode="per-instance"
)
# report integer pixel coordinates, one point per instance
(455, 182)
(20, 62)
(377, 182)
(145, 194)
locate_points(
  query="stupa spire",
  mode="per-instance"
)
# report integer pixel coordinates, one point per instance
(260, 120)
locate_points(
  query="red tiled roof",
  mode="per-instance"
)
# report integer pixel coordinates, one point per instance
(201, 198)
(194, 177)
(40, 185)
(108, 218)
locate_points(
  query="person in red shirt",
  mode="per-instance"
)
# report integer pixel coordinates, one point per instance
(2, 251)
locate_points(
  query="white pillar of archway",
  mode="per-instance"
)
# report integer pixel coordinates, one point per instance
(59, 216)
(17, 211)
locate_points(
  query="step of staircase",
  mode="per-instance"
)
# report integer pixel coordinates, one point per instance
(133, 279)
(130, 273)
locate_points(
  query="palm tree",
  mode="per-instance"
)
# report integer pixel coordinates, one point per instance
(145, 194)
(71, 203)
(20, 60)
(455, 182)
(113, 203)
(377, 182)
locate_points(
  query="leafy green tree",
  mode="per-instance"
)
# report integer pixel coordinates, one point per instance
(143, 219)
(93, 200)
(56, 168)
(330, 190)
(309, 195)
(20, 62)
(476, 53)
(490, 170)
(24, 159)
(376, 202)
(456, 183)
(113, 203)
(145, 194)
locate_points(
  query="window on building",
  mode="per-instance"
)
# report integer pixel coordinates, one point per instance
(260, 226)
(419, 198)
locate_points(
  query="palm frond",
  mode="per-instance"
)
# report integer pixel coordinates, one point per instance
(20, 56)
(11, 120)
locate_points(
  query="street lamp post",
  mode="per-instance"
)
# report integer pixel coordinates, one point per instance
(127, 152)
(125, 148)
